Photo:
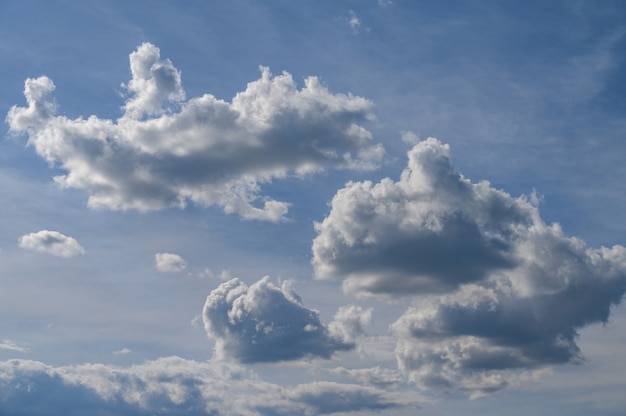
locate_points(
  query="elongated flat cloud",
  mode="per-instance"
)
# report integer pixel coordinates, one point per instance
(165, 151)
(174, 386)
(51, 242)
(499, 294)
(169, 262)
(8, 345)
(264, 323)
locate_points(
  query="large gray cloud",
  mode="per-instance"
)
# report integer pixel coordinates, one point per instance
(429, 232)
(265, 323)
(174, 386)
(164, 151)
(497, 291)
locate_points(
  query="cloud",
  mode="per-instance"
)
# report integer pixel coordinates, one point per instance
(401, 237)
(354, 22)
(165, 151)
(350, 322)
(9, 345)
(266, 323)
(168, 262)
(174, 386)
(51, 242)
(499, 294)
(123, 351)
(383, 378)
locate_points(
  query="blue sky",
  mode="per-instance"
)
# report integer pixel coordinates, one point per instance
(346, 207)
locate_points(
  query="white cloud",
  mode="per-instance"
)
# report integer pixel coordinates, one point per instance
(409, 137)
(265, 323)
(51, 242)
(168, 262)
(350, 323)
(9, 345)
(499, 293)
(400, 237)
(165, 151)
(376, 376)
(123, 351)
(354, 22)
(175, 386)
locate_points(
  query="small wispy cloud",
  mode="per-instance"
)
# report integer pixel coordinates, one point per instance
(354, 22)
(9, 345)
(123, 351)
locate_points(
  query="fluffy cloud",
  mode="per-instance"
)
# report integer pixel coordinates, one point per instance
(173, 386)
(350, 322)
(499, 294)
(265, 323)
(165, 151)
(168, 262)
(52, 242)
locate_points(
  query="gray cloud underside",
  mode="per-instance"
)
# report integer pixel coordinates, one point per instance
(165, 151)
(266, 323)
(173, 386)
(499, 294)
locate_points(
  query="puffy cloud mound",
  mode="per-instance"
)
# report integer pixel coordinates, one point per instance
(169, 263)
(174, 386)
(266, 323)
(165, 151)
(497, 291)
(52, 242)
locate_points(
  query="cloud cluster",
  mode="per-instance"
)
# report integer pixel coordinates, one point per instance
(497, 291)
(173, 386)
(266, 323)
(169, 262)
(165, 151)
(51, 242)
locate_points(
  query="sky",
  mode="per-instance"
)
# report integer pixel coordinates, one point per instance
(300, 208)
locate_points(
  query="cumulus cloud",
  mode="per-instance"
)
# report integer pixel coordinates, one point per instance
(51, 242)
(265, 323)
(165, 151)
(174, 386)
(499, 293)
(168, 262)
(350, 322)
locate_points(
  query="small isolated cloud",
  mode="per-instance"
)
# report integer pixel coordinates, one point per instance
(9, 345)
(123, 351)
(265, 323)
(354, 22)
(169, 263)
(500, 295)
(409, 137)
(166, 151)
(51, 242)
(175, 386)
